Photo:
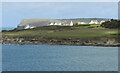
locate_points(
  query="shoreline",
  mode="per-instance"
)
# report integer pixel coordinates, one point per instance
(67, 44)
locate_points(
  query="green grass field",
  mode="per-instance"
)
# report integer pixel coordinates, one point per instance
(62, 32)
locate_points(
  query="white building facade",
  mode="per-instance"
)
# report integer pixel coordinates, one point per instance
(102, 21)
(29, 27)
(82, 23)
(60, 24)
(94, 22)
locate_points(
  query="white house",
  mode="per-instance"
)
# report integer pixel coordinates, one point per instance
(67, 24)
(32, 27)
(71, 24)
(94, 22)
(51, 24)
(102, 21)
(60, 24)
(82, 23)
(56, 24)
(29, 27)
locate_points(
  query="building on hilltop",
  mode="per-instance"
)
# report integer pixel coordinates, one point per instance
(94, 22)
(62, 24)
(56, 24)
(51, 24)
(71, 24)
(82, 23)
(102, 21)
(28, 27)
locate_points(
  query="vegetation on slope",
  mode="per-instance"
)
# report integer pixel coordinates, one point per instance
(111, 24)
(62, 32)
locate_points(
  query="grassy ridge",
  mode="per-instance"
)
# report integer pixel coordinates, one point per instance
(62, 32)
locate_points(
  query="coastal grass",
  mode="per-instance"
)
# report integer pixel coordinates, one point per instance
(62, 32)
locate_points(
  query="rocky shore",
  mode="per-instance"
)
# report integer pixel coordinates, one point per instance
(100, 42)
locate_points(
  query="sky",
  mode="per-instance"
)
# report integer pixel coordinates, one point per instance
(14, 12)
(60, 0)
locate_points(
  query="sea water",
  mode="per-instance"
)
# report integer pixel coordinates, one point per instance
(59, 58)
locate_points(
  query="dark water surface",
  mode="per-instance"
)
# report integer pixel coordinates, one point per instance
(59, 58)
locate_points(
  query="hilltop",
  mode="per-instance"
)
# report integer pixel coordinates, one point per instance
(46, 22)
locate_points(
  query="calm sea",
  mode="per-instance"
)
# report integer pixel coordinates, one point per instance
(59, 58)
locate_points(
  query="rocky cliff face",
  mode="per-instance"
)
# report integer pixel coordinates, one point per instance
(46, 22)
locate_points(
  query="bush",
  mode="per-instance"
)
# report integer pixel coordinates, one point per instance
(81, 24)
(111, 24)
(4, 30)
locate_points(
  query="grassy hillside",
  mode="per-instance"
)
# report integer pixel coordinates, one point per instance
(62, 32)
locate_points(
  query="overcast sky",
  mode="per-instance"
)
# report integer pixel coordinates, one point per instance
(14, 12)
